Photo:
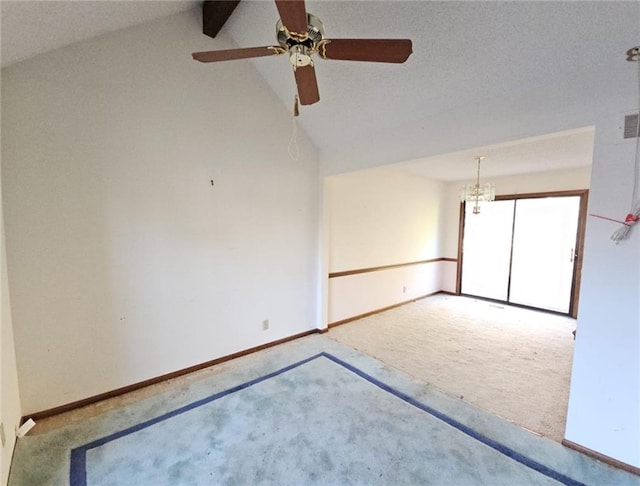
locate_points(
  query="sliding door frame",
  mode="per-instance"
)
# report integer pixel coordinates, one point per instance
(577, 268)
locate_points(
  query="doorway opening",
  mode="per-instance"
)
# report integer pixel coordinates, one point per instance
(525, 250)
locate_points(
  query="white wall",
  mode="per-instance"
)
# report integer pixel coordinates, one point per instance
(355, 295)
(448, 276)
(604, 402)
(376, 218)
(125, 263)
(382, 217)
(10, 409)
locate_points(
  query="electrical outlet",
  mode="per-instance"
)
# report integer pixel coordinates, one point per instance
(404, 289)
(265, 324)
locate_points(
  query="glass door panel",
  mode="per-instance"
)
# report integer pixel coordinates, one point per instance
(544, 239)
(486, 250)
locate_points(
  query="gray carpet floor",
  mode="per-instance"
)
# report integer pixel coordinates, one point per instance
(312, 411)
(512, 362)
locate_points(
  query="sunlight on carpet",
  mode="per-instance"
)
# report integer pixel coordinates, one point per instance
(513, 362)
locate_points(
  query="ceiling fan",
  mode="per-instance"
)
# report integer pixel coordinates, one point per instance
(300, 35)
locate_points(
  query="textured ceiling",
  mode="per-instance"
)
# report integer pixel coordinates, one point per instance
(465, 54)
(30, 28)
(564, 150)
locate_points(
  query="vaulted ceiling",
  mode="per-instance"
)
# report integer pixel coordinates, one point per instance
(465, 53)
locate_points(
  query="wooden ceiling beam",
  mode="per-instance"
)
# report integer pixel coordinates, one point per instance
(215, 14)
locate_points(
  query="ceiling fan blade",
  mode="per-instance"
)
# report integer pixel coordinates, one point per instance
(231, 54)
(372, 50)
(307, 85)
(294, 16)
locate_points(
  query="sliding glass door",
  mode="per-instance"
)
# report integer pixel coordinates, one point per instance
(487, 250)
(522, 251)
(544, 246)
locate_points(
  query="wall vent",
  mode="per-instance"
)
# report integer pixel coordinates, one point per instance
(631, 126)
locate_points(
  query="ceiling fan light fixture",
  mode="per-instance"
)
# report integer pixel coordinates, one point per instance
(300, 56)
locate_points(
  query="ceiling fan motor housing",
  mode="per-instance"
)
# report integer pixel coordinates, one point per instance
(300, 55)
(300, 49)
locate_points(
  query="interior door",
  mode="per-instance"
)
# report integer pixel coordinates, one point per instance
(544, 249)
(487, 250)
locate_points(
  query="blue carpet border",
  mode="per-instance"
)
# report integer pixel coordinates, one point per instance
(78, 464)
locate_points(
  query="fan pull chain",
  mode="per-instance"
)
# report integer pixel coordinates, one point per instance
(294, 152)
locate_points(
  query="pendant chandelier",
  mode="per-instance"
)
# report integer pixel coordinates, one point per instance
(475, 193)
